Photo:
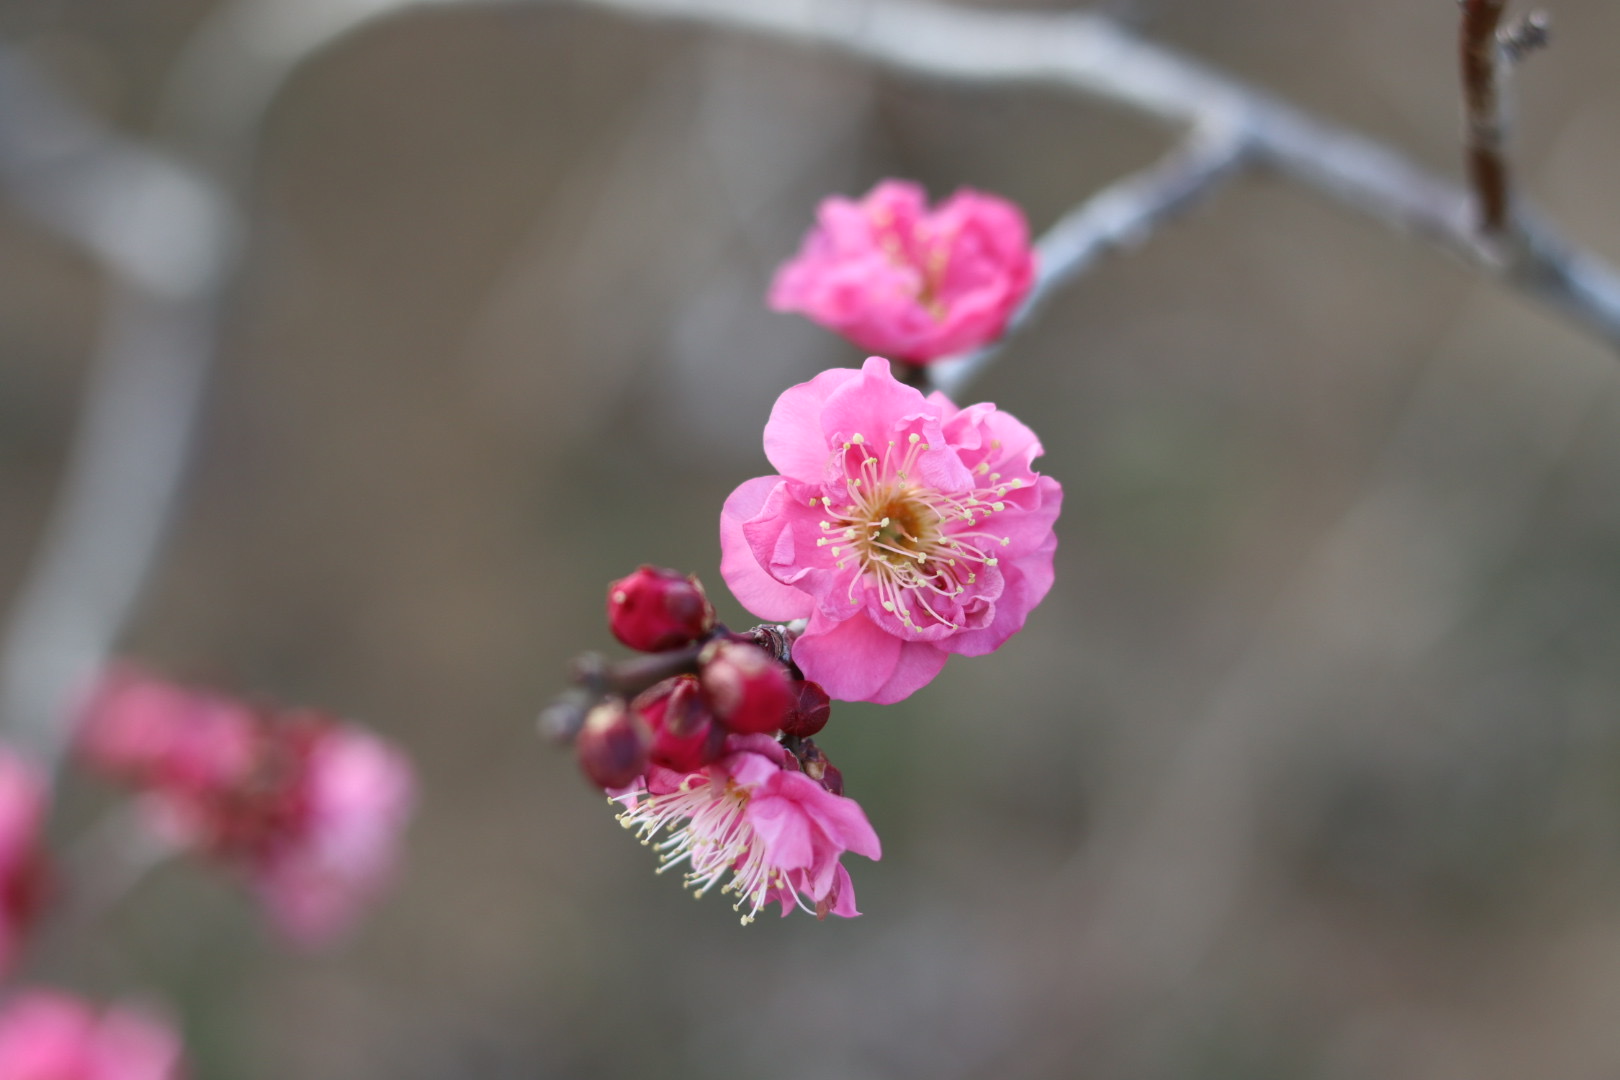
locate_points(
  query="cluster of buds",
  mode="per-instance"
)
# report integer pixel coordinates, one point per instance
(682, 739)
(698, 684)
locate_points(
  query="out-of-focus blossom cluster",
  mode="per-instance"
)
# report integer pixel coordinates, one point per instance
(24, 876)
(310, 811)
(915, 284)
(45, 1035)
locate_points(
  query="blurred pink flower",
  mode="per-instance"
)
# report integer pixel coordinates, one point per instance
(357, 793)
(902, 527)
(22, 857)
(50, 1036)
(161, 735)
(899, 279)
(310, 811)
(752, 817)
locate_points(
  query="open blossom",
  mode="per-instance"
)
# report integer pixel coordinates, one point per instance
(50, 1036)
(22, 859)
(898, 279)
(902, 527)
(309, 811)
(754, 821)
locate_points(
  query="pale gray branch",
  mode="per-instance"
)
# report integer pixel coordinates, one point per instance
(168, 235)
(167, 238)
(1120, 215)
(1092, 55)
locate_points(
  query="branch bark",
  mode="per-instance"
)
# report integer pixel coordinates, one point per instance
(1482, 99)
(1119, 216)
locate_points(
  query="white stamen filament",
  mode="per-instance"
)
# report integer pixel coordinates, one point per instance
(907, 539)
(705, 828)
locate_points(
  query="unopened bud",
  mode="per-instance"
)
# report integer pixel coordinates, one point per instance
(653, 610)
(685, 736)
(612, 745)
(750, 692)
(810, 710)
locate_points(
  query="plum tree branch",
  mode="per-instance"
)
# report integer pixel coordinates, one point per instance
(1120, 215)
(1093, 56)
(169, 236)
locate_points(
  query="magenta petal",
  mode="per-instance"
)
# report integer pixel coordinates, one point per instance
(794, 442)
(844, 822)
(852, 660)
(782, 826)
(870, 405)
(753, 587)
(919, 662)
(844, 895)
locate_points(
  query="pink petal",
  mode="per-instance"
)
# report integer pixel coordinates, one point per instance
(794, 442)
(753, 587)
(871, 405)
(852, 660)
(919, 662)
(782, 826)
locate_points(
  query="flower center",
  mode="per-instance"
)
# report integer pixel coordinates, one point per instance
(918, 547)
(930, 264)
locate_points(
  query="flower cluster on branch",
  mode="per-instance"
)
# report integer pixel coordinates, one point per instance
(899, 529)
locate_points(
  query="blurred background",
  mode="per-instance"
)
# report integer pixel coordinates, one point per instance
(1308, 767)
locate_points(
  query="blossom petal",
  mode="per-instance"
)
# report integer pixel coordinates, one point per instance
(919, 662)
(783, 827)
(749, 582)
(852, 660)
(794, 442)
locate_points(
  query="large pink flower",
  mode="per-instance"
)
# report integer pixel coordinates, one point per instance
(309, 810)
(22, 858)
(899, 279)
(752, 817)
(902, 527)
(50, 1036)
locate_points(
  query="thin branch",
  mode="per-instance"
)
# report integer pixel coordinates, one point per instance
(1093, 56)
(159, 335)
(167, 237)
(1486, 119)
(1119, 216)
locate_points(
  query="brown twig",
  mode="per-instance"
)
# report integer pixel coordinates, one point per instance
(1481, 56)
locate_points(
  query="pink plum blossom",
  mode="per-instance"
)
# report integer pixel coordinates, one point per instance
(752, 817)
(357, 793)
(22, 859)
(46, 1035)
(901, 527)
(162, 735)
(899, 279)
(309, 811)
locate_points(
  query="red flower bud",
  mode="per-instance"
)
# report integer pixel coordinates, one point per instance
(810, 711)
(685, 736)
(613, 745)
(749, 690)
(654, 609)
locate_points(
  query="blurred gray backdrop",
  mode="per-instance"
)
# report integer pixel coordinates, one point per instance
(1309, 767)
